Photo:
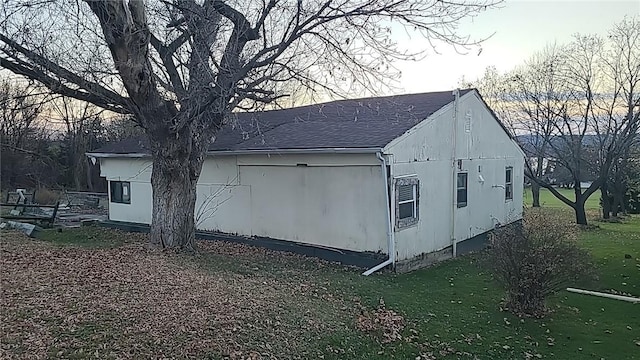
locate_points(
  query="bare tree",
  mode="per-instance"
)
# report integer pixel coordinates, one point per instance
(81, 121)
(181, 67)
(121, 127)
(20, 107)
(575, 110)
(527, 100)
(575, 123)
(619, 111)
(538, 96)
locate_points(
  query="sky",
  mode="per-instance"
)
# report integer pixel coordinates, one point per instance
(518, 29)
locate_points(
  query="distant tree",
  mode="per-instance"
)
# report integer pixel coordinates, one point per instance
(522, 100)
(618, 115)
(121, 127)
(21, 105)
(81, 126)
(631, 179)
(181, 67)
(575, 109)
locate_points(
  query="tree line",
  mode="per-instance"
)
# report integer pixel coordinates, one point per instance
(44, 138)
(574, 108)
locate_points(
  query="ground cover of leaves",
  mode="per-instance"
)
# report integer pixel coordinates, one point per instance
(130, 301)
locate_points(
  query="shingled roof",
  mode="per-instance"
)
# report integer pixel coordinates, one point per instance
(356, 124)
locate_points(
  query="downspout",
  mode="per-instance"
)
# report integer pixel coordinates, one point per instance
(389, 220)
(454, 176)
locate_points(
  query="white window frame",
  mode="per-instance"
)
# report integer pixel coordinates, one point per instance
(412, 220)
(508, 184)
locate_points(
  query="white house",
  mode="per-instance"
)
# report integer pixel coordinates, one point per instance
(402, 180)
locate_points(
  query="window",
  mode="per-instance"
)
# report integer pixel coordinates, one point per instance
(407, 193)
(461, 196)
(508, 183)
(120, 192)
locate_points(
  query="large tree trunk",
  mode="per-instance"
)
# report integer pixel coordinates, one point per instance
(177, 164)
(581, 214)
(89, 173)
(606, 200)
(535, 193)
(618, 193)
(78, 171)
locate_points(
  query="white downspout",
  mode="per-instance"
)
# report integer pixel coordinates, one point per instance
(389, 220)
(454, 175)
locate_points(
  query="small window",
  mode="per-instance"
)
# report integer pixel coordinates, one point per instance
(508, 183)
(461, 196)
(407, 192)
(120, 192)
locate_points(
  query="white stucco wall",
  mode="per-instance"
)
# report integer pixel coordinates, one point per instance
(321, 199)
(484, 148)
(138, 173)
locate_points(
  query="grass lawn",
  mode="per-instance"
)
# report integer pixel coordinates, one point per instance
(547, 199)
(97, 293)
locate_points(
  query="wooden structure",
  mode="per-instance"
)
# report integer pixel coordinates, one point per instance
(31, 212)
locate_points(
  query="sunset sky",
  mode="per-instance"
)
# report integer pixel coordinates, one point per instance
(520, 28)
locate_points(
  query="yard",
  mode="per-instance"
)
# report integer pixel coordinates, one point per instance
(97, 293)
(548, 200)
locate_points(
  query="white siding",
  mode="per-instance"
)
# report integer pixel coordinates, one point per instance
(138, 173)
(486, 150)
(342, 207)
(327, 200)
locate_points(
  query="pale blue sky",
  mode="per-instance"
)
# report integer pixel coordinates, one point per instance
(521, 28)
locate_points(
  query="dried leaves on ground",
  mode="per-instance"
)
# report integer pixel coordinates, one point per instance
(134, 302)
(383, 322)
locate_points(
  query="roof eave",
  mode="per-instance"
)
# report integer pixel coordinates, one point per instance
(116, 155)
(341, 150)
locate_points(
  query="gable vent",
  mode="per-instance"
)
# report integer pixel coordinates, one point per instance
(467, 121)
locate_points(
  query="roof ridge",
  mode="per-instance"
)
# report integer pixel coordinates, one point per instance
(368, 99)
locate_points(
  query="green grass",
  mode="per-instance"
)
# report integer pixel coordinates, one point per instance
(454, 301)
(86, 236)
(547, 199)
(451, 310)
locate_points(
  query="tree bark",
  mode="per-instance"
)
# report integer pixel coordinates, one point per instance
(535, 193)
(581, 214)
(78, 170)
(619, 190)
(89, 175)
(177, 163)
(605, 199)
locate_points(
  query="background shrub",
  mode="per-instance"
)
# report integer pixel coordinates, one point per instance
(535, 259)
(46, 196)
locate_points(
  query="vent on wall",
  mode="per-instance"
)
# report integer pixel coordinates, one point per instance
(467, 121)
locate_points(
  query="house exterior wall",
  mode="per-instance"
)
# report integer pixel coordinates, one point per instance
(427, 152)
(321, 199)
(338, 200)
(138, 173)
